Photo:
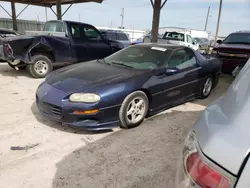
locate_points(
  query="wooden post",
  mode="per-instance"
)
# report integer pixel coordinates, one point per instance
(13, 9)
(156, 20)
(58, 9)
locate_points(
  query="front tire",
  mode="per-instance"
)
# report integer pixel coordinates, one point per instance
(207, 87)
(133, 110)
(40, 66)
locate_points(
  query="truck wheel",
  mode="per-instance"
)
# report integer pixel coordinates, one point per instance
(40, 66)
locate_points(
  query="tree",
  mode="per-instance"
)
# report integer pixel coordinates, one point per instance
(157, 6)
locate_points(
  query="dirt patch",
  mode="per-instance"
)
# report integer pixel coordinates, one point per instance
(142, 157)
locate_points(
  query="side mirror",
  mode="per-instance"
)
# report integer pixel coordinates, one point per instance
(219, 41)
(171, 71)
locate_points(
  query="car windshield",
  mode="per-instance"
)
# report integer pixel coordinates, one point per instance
(174, 36)
(238, 38)
(139, 57)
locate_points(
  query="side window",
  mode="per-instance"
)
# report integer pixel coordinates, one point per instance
(91, 33)
(182, 59)
(122, 36)
(111, 35)
(189, 39)
(77, 31)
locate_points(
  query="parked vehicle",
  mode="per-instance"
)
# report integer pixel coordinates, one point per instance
(137, 41)
(193, 32)
(203, 43)
(216, 151)
(234, 50)
(116, 36)
(123, 88)
(174, 37)
(61, 42)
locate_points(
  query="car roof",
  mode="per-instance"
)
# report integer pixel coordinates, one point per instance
(166, 46)
(238, 32)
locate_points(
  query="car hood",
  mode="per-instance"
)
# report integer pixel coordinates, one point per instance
(88, 75)
(223, 129)
(233, 48)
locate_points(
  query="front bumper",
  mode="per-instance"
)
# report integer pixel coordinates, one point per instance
(53, 104)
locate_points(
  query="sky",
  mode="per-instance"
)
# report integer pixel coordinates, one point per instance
(138, 14)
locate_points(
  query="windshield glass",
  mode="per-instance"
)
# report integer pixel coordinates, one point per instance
(174, 36)
(139, 57)
(238, 38)
(53, 26)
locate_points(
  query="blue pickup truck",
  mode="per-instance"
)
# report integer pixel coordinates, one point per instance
(61, 42)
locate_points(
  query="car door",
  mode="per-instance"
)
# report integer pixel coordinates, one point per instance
(88, 43)
(184, 84)
(97, 47)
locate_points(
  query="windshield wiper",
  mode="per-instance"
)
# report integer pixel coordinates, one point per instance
(102, 61)
(121, 64)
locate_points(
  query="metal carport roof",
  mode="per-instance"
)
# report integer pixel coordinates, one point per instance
(44, 3)
(50, 3)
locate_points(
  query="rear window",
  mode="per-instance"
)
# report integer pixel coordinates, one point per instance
(121, 36)
(174, 36)
(238, 38)
(53, 26)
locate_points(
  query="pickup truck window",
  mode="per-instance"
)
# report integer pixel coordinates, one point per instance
(182, 59)
(174, 36)
(189, 39)
(53, 26)
(77, 31)
(91, 33)
(238, 38)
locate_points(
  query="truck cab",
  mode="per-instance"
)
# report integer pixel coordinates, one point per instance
(60, 43)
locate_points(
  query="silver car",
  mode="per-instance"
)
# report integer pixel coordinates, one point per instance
(202, 42)
(216, 152)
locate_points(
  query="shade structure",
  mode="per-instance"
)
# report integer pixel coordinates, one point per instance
(49, 3)
(44, 3)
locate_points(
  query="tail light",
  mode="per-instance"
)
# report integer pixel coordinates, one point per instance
(203, 175)
(201, 171)
(8, 50)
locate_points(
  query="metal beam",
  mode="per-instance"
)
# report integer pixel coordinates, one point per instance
(13, 9)
(5, 11)
(67, 9)
(22, 11)
(58, 10)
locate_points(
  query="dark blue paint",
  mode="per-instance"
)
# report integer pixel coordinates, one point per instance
(113, 84)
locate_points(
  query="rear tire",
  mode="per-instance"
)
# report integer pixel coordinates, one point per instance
(40, 66)
(133, 110)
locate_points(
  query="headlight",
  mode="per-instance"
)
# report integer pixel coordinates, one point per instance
(84, 97)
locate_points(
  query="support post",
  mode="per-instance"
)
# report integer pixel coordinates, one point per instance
(58, 9)
(13, 9)
(156, 20)
(218, 22)
(208, 13)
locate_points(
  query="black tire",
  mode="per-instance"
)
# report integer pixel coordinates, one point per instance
(207, 83)
(124, 118)
(45, 61)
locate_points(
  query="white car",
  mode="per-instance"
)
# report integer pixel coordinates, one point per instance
(216, 152)
(176, 37)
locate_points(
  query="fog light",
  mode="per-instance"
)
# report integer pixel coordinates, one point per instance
(86, 112)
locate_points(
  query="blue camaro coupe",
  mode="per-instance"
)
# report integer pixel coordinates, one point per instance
(124, 88)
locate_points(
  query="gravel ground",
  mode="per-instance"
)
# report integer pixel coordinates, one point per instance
(56, 156)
